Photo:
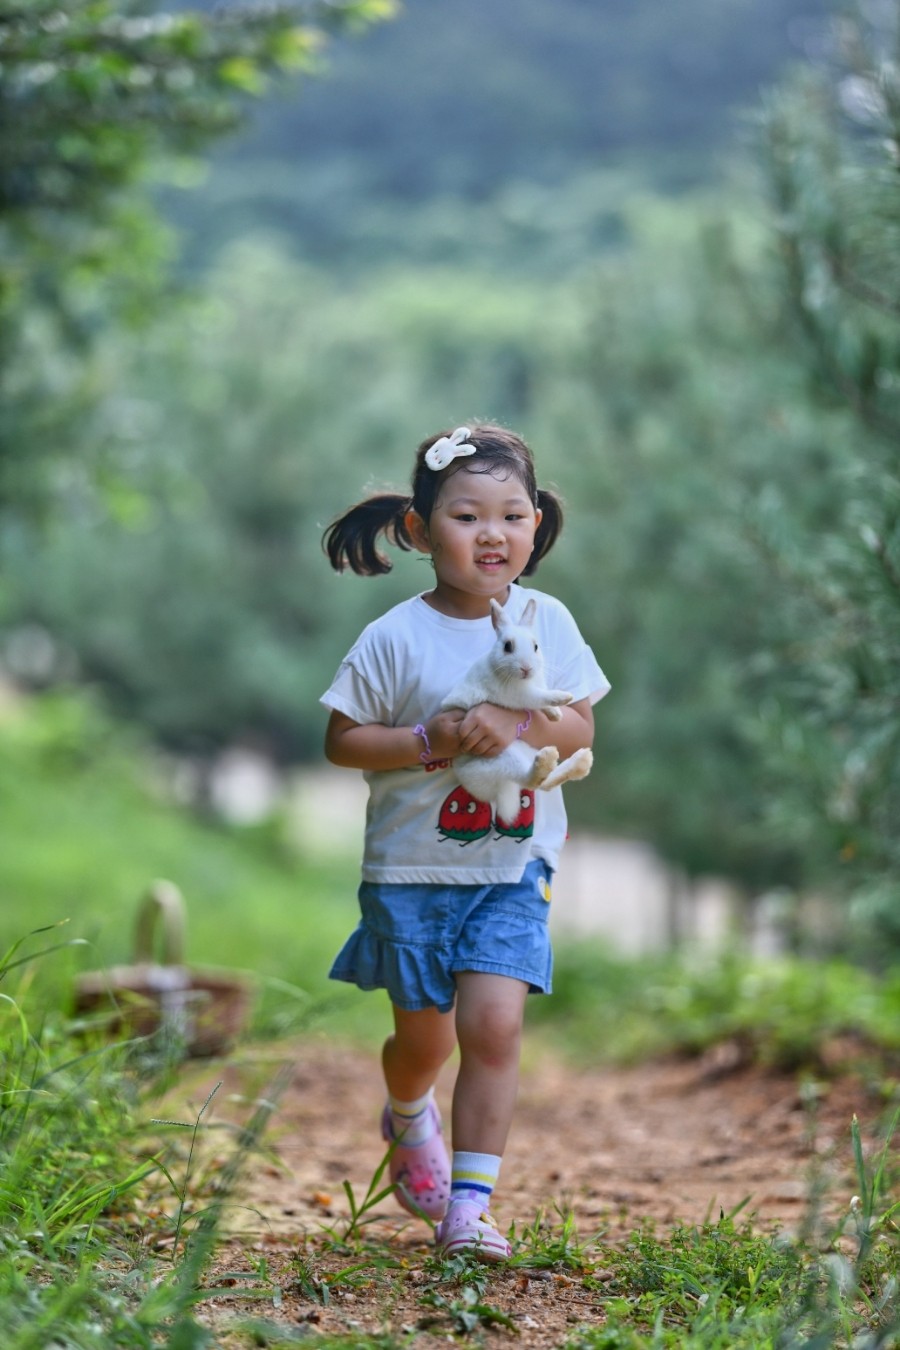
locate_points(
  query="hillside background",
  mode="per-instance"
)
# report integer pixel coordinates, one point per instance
(659, 241)
(541, 119)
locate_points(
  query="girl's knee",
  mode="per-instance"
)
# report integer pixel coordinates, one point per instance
(492, 1034)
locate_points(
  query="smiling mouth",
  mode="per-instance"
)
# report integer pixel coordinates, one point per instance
(491, 560)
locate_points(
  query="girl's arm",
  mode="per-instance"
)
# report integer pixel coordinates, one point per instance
(484, 730)
(487, 729)
(374, 747)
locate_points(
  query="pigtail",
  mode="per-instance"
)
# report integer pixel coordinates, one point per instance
(549, 529)
(350, 541)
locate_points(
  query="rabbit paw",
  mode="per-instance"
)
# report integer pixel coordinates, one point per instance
(575, 767)
(559, 696)
(545, 761)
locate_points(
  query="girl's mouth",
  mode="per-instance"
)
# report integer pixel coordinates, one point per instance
(491, 560)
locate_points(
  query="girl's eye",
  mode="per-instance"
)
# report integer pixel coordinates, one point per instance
(465, 516)
(512, 516)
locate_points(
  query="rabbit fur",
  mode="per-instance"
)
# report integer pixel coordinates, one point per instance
(511, 675)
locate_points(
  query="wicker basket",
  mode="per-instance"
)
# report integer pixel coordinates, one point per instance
(206, 1009)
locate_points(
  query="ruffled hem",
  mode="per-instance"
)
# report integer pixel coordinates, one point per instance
(415, 977)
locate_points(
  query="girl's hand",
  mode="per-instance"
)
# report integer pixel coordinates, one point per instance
(443, 733)
(487, 729)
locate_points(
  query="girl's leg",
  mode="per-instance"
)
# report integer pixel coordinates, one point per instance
(413, 1056)
(489, 1010)
(489, 1013)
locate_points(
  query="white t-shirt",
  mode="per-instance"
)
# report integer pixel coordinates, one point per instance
(421, 826)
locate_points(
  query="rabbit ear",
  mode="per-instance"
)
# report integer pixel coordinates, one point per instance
(529, 612)
(498, 617)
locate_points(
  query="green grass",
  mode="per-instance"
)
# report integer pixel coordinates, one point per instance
(83, 831)
(86, 1184)
(787, 1013)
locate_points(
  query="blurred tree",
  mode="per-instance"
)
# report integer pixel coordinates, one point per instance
(458, 107)
(832, 142)
(692, 409)
(748, 419)
(92, 94)
(194, 586)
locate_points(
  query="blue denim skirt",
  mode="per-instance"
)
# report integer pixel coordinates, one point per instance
(412, 940)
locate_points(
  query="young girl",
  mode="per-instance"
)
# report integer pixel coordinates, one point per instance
(454, 903)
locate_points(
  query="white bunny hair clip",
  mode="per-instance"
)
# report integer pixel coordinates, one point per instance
(449, 448)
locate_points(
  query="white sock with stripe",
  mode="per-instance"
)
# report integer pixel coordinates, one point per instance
(474, 1176)
(411, 1121)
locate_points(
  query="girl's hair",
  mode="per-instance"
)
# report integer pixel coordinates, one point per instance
(351, 540)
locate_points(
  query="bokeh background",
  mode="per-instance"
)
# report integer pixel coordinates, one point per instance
(248, 261)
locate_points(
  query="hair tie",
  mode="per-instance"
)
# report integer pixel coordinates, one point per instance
(522, 727)
(448, 448)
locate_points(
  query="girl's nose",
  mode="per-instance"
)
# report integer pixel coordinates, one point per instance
(491, 531)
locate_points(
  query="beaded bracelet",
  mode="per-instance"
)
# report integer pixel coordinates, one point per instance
(522, 727)
(419, 730)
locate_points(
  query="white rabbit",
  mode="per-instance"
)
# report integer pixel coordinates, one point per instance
(511, 675)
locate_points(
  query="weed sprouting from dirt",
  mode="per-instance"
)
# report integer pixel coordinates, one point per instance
(362, 1212)
(306, 1279)
(463, 1312)
(182, 1190)
(544, 1245)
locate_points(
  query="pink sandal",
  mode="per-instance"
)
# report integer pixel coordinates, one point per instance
(421, 1172)
(469, 1230)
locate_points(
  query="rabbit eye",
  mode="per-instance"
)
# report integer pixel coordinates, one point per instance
(507, 646)
(535, 646)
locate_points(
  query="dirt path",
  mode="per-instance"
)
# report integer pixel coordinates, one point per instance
(672, 1142)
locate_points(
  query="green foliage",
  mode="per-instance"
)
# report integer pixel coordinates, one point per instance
(690, 407)
(711, 1288)
(789, 1013)
(93, 96)
(457, 130)
(360, 1210)
(86, 825)
(717, 1285)
(723, 1285)
(79, 1165)
(831, 143)
(464, 1311)
(747, 407)
(98, 92)
(98, 89)
(221, 619)
(549, 1243)
(335, 218)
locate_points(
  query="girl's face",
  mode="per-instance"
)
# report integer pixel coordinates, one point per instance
(480, 537)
